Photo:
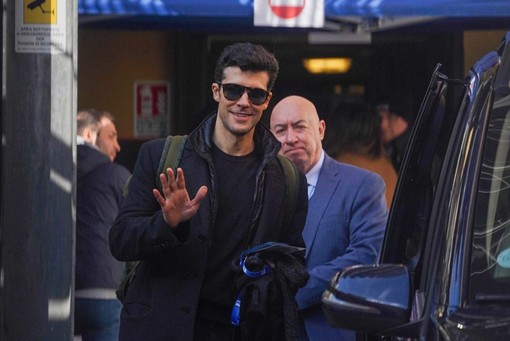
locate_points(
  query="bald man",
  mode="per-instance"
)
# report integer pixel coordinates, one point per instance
(347, 210)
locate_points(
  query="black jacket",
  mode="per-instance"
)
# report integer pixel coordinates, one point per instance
(99, 192)
(161, 302)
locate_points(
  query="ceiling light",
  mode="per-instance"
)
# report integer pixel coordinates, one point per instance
(327, 65)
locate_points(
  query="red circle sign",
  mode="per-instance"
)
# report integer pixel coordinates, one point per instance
(287, 9)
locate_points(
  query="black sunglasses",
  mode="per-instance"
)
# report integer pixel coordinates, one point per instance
(233, 92)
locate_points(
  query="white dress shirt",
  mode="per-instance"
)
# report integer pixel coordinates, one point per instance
(313, 175)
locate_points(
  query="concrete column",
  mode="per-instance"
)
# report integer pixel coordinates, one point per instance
(38, 170)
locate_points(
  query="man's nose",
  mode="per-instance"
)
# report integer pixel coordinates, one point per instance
(290, 136)
(244, 99)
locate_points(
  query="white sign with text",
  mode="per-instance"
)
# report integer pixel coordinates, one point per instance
(152, 108)
(289, 13)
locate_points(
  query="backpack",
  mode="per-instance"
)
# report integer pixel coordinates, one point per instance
(171, 158)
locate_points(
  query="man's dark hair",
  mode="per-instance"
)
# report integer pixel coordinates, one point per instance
(248, 57)
(352, 126)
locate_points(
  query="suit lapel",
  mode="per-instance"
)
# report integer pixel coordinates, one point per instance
(326, 186)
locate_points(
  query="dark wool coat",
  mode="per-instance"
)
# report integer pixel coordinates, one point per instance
(162, 300)
(99, 193)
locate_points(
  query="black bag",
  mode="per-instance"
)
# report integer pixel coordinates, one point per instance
(268, 310)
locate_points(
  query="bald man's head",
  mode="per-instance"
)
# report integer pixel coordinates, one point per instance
(296, 124)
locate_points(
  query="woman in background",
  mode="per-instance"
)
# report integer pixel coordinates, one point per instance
(353, 136)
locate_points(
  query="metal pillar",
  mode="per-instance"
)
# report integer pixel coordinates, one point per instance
(38, 172)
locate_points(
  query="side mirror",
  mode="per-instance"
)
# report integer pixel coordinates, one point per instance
(369, 298)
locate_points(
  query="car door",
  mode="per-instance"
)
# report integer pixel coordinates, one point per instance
(473, 296)
(441, 288)
(431, 224)
(412, 209)
(444, 269)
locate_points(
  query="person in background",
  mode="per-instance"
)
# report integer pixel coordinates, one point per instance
(396, 115)
(97, 274)
(188, 235)
(107, 136)
(354, 137)
(347, 210)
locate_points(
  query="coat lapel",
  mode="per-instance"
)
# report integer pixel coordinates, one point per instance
(326, 186)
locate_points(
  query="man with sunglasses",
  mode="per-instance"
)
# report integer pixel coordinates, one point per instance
(228, 194)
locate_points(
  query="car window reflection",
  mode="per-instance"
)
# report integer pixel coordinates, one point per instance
(490, 259)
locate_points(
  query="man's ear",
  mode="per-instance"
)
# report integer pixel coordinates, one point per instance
(266, 103)
(215, 88)
(89, 136)
(269, 97)
(322, 129)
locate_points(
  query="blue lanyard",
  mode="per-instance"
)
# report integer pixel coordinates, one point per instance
(255, 274)
(235, 315)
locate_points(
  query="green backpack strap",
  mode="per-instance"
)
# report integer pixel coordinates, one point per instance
(291, 190)
(171, 156)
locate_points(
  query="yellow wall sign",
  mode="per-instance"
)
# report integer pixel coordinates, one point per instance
(40, 12)
(41, 26)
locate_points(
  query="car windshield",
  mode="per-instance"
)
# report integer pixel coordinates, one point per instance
(490, 258)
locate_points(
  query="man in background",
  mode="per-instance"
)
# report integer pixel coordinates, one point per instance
(100, 183)
(347, 210)
(396, 114)
(107, 135)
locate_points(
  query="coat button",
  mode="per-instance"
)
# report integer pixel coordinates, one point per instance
(185, 309)
(201, 237)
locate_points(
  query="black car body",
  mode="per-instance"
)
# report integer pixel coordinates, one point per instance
(444, 269)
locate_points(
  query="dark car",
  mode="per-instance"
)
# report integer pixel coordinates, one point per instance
(444, 269)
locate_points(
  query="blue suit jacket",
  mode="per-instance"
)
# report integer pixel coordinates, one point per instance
(345, 226)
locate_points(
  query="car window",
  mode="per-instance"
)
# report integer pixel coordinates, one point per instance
(418, 179)
(414, 236)
(490, 259)
(490, 251)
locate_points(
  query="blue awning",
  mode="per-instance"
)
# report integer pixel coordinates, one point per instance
(333, 8)
(446, 8)
(183, 8)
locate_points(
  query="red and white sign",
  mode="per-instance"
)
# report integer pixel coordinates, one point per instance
(152, 108)
(289, 13)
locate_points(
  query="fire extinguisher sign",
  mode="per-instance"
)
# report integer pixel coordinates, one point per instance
(152, 108)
